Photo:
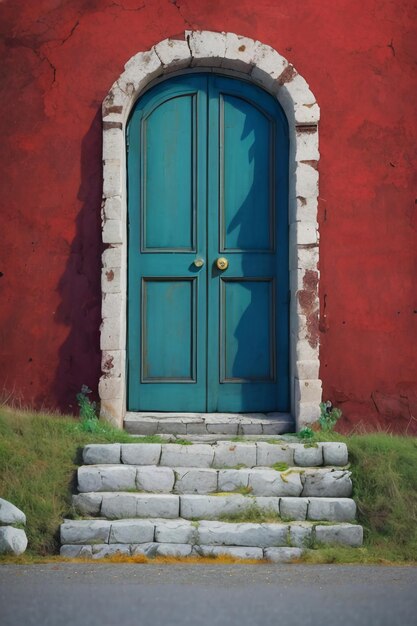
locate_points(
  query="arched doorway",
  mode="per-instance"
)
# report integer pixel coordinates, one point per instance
(259, 64)
(208, 184)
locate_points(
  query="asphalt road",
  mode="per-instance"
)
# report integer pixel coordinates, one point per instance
(65, 594)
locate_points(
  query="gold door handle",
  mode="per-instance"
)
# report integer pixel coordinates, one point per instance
(198, 262)
(222, 263)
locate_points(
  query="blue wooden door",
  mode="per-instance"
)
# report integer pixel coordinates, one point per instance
(207, 182)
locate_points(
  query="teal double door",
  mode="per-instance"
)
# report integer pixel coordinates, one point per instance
(208, 248)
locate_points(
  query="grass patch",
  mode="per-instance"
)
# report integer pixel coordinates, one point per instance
(39, 454)
(38, 457)
(252, 515)
(280, 467)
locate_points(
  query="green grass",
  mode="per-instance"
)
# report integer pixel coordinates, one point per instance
(39, 455)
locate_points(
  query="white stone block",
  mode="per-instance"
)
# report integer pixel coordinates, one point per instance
(141, 453)
(195, 480)
(113, 144)
(306, 455)
(112, 280)
(304, 257)
(327, 483)
(306, 146)
(141, 69)
(113, 305)
(269, 66)
(229, 454)
(101, 551)
(268, 454)
(173, 54)
(307, 413)
(98, 453)
(240, 53)
(87, 503)
(10, 514)
(303, 209)
(199, 455)
(232, 479)
(111, 388)
(113, 363)
(304, 351)
(207, 48)
(130, 505)
(112, 337)
(132, 531)
(283, 555)
(175, 531)
(155, 479)
(305, 370)
(308, 390)
(331, 509)
(342, 534)
(306, 182)
(243, 534)
(301, 535)
(211, 507)
(237, 552)
(85, 531)
(112, 257)
(293, 508)
(113, 410)
(303, 233)
(145, 549)
(272, 483)
(112, 178)
(112, 208)
(12, 540)
(176, 550)
(113, 231)
(106, 478)
(76, 552)
(334, 453)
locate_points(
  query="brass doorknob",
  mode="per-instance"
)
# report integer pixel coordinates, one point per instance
(222, 263)
(198, 262)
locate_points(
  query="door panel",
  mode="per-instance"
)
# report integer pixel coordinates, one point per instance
(167, 355)
(168, 175)
(246, 138)
(207, 177)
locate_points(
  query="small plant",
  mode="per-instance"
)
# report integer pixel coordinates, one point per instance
(280, 467)
(306, 434)
(88, 411)
(329, 415)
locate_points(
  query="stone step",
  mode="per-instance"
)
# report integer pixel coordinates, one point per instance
(180, 537)
(319, 482)
(115, 505)
(224, 454)
(148, 423)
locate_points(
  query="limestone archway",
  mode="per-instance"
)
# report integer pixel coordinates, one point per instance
(230, 54)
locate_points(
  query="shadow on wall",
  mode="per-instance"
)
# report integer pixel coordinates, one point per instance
(79, 286)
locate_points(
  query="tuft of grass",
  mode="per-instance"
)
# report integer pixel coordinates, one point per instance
(183, 442)
(253, 515)
(245, 491)
(280, 467)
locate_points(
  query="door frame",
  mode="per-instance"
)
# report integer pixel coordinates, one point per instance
(246, 59)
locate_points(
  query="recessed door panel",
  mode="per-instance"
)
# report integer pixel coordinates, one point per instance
(247, 330)
(246, 172)
(169, 166)
(168, 356)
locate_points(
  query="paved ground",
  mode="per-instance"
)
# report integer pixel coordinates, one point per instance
(202, 595)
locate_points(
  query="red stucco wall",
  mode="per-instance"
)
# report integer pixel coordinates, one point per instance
(59, 59)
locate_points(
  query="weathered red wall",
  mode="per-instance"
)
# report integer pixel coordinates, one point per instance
(59, 59)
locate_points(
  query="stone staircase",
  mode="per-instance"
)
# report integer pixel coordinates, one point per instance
(252, 500)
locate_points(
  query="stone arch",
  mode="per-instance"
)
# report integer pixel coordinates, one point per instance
(242, 57)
